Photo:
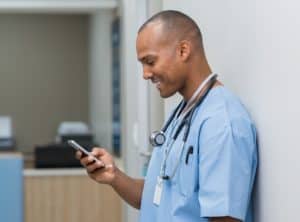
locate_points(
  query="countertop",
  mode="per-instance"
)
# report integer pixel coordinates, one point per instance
(62, 171)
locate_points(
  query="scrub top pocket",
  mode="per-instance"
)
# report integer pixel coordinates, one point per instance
(188, 172)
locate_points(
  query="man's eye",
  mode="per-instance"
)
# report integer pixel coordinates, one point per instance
(150, 62)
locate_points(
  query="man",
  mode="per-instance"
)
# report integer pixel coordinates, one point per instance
(211, 177)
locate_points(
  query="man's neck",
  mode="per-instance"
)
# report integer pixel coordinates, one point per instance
(193, 83)
(198, 92)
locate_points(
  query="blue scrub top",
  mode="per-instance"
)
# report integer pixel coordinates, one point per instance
(218, 178)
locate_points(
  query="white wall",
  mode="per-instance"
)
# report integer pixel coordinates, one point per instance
(101, 77)
(254, 46)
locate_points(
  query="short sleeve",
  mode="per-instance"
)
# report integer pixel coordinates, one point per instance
(227, 165)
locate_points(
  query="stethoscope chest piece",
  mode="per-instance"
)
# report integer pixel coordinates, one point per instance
(157, 138)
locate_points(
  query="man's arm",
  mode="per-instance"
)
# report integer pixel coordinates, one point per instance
(128, 188)
(106, 172)
(223, 219)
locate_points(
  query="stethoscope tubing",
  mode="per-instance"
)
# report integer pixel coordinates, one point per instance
(186, 122)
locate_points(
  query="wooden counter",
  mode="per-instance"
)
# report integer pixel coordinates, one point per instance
(68, 195)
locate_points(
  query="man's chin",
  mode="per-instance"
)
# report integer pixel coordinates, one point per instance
(166, 94)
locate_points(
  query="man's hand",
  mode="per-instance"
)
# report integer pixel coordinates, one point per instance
(105, 171)
(223, 219)
(102, 171)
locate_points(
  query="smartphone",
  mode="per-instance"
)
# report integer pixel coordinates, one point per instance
(76, 146)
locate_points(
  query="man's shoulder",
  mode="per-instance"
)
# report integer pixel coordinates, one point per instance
(222, 101)
(222, 115)
(222, 108)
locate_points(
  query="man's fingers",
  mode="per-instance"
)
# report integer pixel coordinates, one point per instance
(87, 160)
(92, 167)
(78, 155)
(98, 152)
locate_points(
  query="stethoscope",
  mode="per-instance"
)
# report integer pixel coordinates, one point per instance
(158, 138)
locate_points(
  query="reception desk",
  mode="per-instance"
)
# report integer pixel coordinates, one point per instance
(53, 195)
(68, 195)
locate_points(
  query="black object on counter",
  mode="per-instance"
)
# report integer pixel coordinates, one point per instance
(57, 155)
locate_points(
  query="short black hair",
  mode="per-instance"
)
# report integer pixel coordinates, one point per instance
(176, 24)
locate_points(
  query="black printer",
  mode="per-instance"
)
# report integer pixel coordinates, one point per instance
(59, 154)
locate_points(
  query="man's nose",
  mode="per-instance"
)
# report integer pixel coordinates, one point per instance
(147, 73)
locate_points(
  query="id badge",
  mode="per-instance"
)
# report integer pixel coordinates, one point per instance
(158, 191)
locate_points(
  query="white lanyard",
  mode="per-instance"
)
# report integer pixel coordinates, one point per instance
(191, 102)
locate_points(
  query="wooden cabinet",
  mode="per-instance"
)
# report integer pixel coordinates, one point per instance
(69, 198)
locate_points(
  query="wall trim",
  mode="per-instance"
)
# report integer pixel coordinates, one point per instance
(56, 6)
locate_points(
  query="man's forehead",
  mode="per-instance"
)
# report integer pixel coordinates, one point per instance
(152, 32)
(151, 37)
(155, 27)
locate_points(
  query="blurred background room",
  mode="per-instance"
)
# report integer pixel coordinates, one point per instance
(68, 70)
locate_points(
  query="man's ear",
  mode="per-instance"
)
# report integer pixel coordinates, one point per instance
(184, 50)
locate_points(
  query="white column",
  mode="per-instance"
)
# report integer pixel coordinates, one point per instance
(130, 132)
(142, 109)
(101, 77)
